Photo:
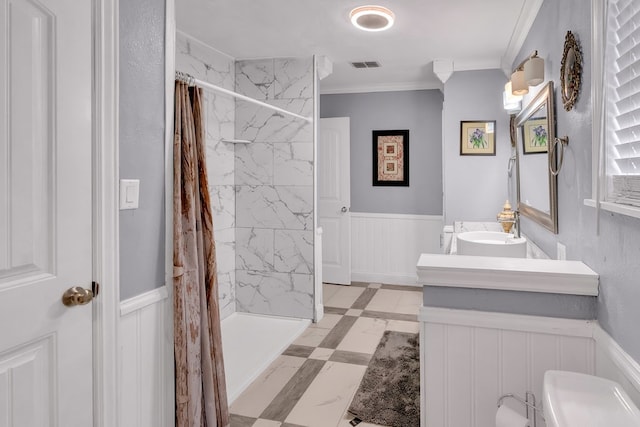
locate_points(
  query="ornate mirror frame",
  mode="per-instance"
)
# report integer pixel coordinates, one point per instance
(543, 98)
(571, 71)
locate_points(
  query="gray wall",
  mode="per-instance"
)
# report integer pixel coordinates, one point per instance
(614, 254)
(142, 231)
(419, 111)
(475, 187)
(523, 303)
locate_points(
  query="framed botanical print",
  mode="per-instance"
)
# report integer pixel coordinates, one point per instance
(478, 138)
(536, 136)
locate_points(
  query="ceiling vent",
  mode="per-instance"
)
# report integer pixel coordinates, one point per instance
(366, 64)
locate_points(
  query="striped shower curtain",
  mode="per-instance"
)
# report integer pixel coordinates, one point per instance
(201, 398)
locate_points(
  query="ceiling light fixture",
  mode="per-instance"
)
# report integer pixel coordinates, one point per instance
(372, 18)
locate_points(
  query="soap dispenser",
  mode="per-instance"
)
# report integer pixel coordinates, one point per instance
(507, 217)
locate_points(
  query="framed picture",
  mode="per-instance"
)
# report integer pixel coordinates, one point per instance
(535, 138)
(478, 138)
(391, 158)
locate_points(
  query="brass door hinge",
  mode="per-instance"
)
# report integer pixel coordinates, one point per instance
(95, 288)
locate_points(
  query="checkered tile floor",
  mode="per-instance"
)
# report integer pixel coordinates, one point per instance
(313, 382)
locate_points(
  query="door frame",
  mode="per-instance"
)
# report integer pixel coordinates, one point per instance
(105, 207)
(169, 77)
(105, 211)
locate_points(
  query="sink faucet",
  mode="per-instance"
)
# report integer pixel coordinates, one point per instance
(516, 215)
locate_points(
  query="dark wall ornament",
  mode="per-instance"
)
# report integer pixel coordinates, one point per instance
(391, 158)
(570, 71)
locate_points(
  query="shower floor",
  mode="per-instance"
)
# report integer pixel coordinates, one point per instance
(250, 342)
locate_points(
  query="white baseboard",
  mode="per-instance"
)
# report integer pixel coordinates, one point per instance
(146, 360)
(390, 279)
(385, 247)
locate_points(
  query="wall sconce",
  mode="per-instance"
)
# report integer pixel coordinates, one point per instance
(512, 103)
(529, 72)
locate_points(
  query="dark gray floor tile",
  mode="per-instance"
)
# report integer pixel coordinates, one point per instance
(390, 316)
(364, 299)
(298, 351)
(350, 357)
(240, 421)
(338, 332)
(403, 288)
(360, 284)
(334, 310)
(283, 403)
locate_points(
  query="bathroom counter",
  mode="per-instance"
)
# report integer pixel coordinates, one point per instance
(513, 274)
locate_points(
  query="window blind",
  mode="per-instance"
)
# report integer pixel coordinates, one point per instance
(623, 50)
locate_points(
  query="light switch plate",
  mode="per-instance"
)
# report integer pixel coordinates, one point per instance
(129, 194)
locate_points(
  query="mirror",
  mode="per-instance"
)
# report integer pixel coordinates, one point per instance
(537, 186)
(570, 71)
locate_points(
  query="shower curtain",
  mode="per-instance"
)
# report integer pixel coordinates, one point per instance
(201, 398)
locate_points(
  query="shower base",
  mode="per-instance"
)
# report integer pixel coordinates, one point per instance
(250, 342)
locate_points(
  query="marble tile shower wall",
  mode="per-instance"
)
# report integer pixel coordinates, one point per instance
(219, 111)
(274, 189)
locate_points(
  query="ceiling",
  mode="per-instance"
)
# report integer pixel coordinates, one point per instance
(468, 34)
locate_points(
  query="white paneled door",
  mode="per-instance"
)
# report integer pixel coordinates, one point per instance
(45, 212)
(334, 199)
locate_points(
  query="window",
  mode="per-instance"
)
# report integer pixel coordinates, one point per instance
(621, 90)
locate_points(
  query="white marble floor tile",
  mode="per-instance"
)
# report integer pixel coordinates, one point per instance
(329, 290)
(403, 326)
(353, 312)
(328, 321)
(264, 389)
(266, 423)
(391, 301)
(328, 396)
(344, 297)
(409, 303)
(321, 353)
(312, 337)
(364, 335)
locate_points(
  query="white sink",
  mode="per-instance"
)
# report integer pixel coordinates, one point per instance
(579, 400)
(491, 243)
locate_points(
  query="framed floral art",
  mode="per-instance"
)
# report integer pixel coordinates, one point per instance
(536, 136)
(478, 138)
(391, 158)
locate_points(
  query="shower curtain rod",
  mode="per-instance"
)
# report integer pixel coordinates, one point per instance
(191, 81)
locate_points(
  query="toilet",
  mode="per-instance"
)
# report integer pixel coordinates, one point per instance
(571, 399)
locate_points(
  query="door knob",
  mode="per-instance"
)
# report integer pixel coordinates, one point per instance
(77, 295)
(344, 209)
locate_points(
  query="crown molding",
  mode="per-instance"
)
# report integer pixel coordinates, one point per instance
(527, 16)
(476, 64)
(384, 87)
(443, 69)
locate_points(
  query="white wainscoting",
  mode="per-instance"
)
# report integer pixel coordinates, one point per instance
(385, 247)
(146, 360)
(470, 358)
(614, 363)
